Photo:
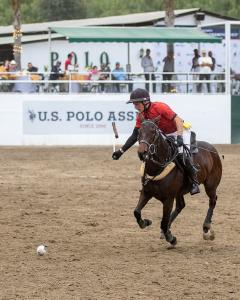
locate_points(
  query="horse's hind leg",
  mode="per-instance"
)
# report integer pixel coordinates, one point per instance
(180, 204)
(208, 232)
(143, 200)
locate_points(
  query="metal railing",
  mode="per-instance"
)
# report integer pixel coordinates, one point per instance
(105, 82)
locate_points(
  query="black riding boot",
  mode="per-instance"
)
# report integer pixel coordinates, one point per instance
(191, 172)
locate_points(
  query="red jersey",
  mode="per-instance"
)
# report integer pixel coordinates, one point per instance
(167, 115)
(67, 63)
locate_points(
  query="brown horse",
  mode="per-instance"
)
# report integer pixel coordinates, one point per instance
(158, 151)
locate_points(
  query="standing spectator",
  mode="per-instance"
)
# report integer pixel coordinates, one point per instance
(168, 68)
(118, 74)
(148, 67)
(31, 68)
(213, 60)
(195, 63)
(196, 68)
(213, 77)
(205, 63)
(68, 62)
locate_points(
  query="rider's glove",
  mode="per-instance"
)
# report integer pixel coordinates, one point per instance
(117, 154)
(179, 140)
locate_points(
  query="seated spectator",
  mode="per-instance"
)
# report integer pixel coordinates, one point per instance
(94, 75)
(56, 71)
(118, 74)
(2, 69)
(12, 69)
(6, 65)
(104, 76)
(31, 68)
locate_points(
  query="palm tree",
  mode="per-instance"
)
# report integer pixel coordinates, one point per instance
(17, 34)
(169, 18)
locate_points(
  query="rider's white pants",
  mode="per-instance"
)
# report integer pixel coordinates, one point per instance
(186, 138)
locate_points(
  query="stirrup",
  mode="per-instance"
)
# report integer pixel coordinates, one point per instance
(194, 189)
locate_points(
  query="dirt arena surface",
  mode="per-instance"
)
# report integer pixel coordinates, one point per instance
(80, 203)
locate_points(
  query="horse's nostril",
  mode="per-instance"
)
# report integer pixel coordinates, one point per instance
(142, 155)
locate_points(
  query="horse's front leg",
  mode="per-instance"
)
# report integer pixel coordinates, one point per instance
(167, 208)
(143, 200)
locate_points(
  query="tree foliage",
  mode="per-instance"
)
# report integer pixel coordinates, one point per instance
(33, 11)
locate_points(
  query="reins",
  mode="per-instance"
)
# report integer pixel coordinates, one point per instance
(172, 147)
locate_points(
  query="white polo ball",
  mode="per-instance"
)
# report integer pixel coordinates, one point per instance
(41, 250)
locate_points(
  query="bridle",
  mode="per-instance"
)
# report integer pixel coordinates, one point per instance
(172, 149)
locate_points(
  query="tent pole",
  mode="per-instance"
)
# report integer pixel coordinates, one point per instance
(49, 48)
(228, 56)
(128, 68)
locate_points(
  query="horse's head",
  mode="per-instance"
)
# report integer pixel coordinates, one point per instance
(148, 134)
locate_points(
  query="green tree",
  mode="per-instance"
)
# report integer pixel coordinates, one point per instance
(55, 10)
(17, 32)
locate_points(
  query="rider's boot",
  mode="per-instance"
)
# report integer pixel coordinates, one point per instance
(191, 172)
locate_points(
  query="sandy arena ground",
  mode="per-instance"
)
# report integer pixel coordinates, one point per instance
(80, 203)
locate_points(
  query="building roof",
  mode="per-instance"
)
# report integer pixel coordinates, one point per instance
(137, 19)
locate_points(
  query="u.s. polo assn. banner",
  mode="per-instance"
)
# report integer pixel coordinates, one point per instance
(75, 117)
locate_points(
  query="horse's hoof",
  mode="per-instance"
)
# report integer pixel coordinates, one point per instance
(162, 236)
(142, 224)
(206, 227)
(206, 236)
(173, 241)
(212, 235)
(147, 222)
(209, 235)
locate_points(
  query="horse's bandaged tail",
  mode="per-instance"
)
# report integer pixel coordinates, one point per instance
(163, 174)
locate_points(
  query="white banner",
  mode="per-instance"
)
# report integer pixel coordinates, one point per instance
(76, 117)
(85, 119)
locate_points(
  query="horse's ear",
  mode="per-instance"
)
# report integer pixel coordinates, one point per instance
(157, 119)
(141, 118)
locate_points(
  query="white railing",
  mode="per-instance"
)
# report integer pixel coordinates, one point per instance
(85, 82)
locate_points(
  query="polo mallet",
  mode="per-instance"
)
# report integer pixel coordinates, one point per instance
(115, 134)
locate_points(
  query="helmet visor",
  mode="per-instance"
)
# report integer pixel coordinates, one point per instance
(138, 100)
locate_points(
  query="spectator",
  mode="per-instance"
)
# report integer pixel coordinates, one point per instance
(94, 76)
(148, 67)
(31, 68)
(205, 63)
(12, 66)
(2, 71)
(6, 65)
(213, 77)
(168, 67)
(213, 60)
(118, 74)
(103, 75)
(195, 63)
(56, 71)
(68, 62)
(195, 68)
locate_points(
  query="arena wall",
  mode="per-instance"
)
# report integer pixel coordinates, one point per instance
(85, 119)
